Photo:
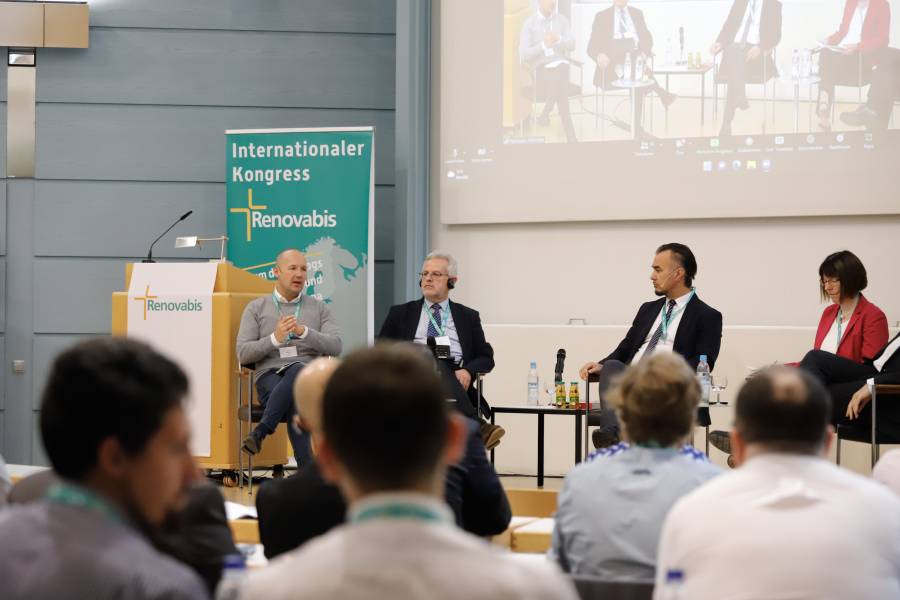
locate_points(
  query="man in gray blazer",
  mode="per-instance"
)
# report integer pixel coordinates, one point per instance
(279, 334)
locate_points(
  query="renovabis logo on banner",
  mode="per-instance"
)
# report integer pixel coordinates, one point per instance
(256, 218)
(154, 304)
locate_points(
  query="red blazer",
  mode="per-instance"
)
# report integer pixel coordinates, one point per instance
(875, 27)
(866, 335)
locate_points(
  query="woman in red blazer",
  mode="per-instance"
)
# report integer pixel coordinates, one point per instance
(851, 326)
(864, 30)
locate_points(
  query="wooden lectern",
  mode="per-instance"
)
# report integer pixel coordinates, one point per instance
(233, 289)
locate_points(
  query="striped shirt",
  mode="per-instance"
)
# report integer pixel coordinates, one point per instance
(612, 507)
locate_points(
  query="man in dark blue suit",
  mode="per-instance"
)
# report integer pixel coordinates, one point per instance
(453, 331)
(677, 322)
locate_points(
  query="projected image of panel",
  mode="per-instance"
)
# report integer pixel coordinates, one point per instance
(565, 98)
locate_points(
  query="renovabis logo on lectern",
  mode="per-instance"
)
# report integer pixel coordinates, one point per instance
(154, 304)
(255, 218)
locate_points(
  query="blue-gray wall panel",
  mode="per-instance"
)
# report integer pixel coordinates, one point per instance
(352, 16)
(38, 456)
(155, 143)
(2, 216)
(75, 296)
(222, 68)
(2, 378)
(384, 223)
(384, 291)
(2, 302)
(120, 219)
(3, 135)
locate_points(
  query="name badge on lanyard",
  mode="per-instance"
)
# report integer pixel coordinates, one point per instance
(442, 340)
(665, 322)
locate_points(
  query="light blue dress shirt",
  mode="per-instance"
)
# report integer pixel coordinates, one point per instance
(446, 322)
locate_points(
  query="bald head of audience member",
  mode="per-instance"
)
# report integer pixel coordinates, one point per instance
(368, 445)
(309, 388)
(784, 410)
(113, 422)
(656, 401)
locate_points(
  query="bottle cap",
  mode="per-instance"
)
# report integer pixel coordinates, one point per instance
(702, 358)
(674, 575)
(533, 365)
(234, 561)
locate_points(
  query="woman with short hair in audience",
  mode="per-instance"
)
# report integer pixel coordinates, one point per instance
(850, 326)
(612, 506)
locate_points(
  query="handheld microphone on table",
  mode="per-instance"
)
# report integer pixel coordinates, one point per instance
(149, 258)
(560, 365)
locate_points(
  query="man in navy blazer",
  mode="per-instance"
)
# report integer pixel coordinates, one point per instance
(435, 317)
(677, 322)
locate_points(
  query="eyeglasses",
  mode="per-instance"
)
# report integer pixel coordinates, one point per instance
(828, 280)
(434, 274)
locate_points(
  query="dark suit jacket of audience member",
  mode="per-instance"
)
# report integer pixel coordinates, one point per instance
(603, 41)
(294, 510)
(197, 536)
(769, 36)
(699, 332)
(474, 492)
(478, 355)
(890, 372)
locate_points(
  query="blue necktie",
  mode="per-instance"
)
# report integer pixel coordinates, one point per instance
(432, 330)
(658, 333)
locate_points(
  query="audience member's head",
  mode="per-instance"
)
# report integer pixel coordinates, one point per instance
(841, 275)
(112, 420)
(386, 424)
(309, 387)
(656, 400)
(781, 409)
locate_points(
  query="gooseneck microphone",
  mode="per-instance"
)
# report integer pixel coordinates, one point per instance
(560, 365)
(149, 258)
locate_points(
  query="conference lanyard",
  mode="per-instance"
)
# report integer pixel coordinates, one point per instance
(291, 335)
(666, 321)
(442, 328)
(69, 495)
(398, 510)
(840, 320)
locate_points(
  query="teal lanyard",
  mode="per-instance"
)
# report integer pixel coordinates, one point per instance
(442, 328)
(398, 510)
(840, 322)
(666, 321)
(291, 335)
(70, 495)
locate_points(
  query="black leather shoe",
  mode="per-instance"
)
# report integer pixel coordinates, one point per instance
(721, 440)
(252, 444)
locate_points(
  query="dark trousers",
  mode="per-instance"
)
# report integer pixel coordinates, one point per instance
(455, 389)
(836, 68)
(734, 72)
(885, 88)
(843, 378)
(276, 395)
(605, 417)
(553, 89)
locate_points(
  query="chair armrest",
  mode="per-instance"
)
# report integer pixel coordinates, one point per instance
(889, 389)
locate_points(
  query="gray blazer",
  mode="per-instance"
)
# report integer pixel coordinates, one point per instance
(254, 343)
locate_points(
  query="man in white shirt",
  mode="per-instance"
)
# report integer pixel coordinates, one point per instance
(400, 541)
(787, 523)
(678, 322)
(751, 31)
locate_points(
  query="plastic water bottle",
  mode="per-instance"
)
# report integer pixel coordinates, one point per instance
(673, 588)
(533, 385)
(795, 64)
(627, 73)
(638, 68)
(234, 572)
(806, 71)
(705, 380)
